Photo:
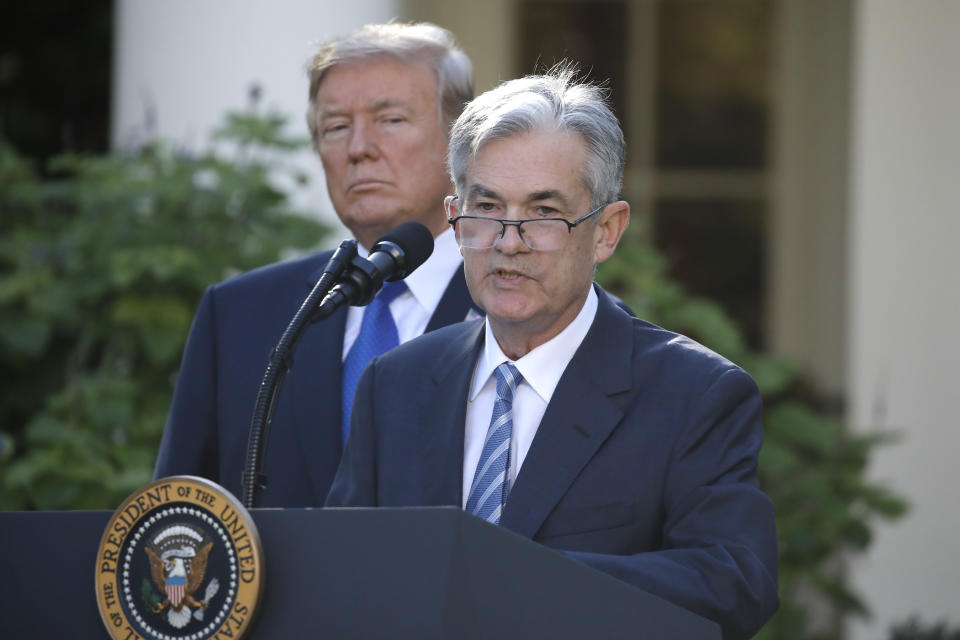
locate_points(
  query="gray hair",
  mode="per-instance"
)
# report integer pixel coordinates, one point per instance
(415, 42)
(554, 101)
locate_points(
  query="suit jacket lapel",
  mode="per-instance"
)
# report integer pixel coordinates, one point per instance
(443, 408)
(579, 418)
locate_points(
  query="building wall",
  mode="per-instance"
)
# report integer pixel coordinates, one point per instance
(904, 306)
(486, 31)
(187, 62)
(808, 235)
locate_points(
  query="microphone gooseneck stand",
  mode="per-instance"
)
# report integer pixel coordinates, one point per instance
(280, 362)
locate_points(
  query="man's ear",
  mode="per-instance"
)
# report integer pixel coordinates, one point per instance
(450, 206)
(609, 229)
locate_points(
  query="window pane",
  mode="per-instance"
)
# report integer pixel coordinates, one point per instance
(593, 34)
(713, 64)
(55, 77)
(716, 249)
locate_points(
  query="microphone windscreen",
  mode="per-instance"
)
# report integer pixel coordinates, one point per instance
(414, 239)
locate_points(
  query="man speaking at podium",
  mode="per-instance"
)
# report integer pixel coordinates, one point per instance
(560, 417)
(381, 102)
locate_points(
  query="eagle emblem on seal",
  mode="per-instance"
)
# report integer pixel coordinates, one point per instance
(178, 564)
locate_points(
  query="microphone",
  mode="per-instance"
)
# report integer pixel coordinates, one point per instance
(393, 257)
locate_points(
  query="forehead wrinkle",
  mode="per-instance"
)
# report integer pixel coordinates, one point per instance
(375, 105)
(387, 102)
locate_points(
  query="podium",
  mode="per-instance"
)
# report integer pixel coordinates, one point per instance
(424, 573)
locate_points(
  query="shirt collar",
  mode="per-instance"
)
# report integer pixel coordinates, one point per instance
(543, 366)
(428, 282)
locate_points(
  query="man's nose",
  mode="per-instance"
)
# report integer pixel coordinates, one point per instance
(363, 142)
(511, 241)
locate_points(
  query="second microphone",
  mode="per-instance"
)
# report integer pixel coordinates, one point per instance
(393, 257)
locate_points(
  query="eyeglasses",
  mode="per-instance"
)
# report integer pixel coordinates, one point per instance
(538, 234)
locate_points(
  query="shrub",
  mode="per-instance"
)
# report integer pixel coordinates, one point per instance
(101, 268)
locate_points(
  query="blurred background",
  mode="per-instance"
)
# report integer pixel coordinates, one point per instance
(793, 169)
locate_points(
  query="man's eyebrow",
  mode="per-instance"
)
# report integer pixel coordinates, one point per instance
(546, 194)
(549, 194)
(477, 190)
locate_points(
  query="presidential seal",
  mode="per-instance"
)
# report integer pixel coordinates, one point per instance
(179, 560)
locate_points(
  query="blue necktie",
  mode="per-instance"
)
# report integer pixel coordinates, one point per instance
(378, 334)
(491, 483)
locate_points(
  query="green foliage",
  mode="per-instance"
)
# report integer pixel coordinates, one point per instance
(811, 466)
(101, 269)
(914, 629)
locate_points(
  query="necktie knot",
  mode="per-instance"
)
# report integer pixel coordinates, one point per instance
(507, 380)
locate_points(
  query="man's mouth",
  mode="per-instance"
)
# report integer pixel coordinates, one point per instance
(368, 183)
(508, 275)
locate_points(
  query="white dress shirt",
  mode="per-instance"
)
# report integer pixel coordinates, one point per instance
(413, 309)
(541, 369)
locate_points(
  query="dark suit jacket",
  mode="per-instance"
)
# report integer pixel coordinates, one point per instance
(644, 465)
(237, 324)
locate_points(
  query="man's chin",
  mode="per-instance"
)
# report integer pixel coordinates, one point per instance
(509, 313)
(370, 222)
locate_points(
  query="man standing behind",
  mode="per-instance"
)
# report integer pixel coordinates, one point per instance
(560, 417)
(381, 102)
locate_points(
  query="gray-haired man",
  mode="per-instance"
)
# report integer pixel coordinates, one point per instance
(561, 417)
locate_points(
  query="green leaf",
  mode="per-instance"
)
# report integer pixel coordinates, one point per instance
(26, 335)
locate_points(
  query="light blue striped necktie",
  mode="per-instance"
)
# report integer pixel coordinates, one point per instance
(491, 482)
(378, 334)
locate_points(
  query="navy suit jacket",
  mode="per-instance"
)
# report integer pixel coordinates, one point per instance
(236, 326)
(644, 465)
